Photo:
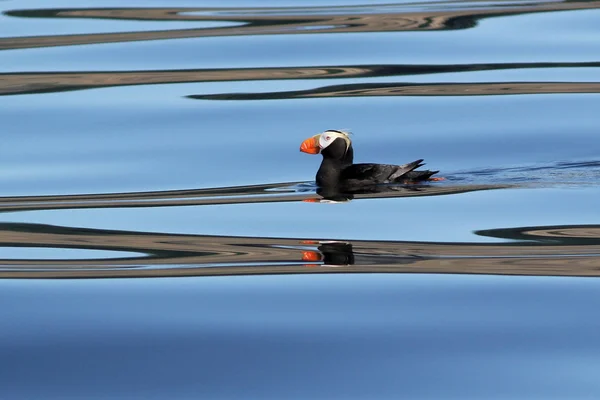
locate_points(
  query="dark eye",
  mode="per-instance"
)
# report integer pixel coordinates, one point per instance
(327, 137)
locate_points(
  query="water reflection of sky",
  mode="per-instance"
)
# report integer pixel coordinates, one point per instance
(369, 335)
(349, 336)
(127, 139)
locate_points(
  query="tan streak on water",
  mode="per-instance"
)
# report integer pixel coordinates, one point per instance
(281, 24)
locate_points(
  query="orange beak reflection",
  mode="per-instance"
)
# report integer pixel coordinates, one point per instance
(312, 256)
(310, 146)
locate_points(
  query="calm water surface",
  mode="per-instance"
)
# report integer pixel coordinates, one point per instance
(159, 139)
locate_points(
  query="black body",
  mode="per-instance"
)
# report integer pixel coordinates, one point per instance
(337, 170)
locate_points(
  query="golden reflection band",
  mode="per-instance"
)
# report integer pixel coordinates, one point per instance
(280, 21)
(569, 250)
(40, 82)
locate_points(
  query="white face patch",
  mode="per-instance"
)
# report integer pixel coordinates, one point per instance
(328, 137)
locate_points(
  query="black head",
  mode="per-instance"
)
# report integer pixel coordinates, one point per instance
(336, 148)
(336, 145)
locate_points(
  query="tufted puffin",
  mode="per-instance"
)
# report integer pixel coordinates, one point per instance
(337, 168)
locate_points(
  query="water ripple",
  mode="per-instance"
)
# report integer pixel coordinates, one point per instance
(416, 89)
(551, 250)
(40, 82)
(264, 193)
(281, 21)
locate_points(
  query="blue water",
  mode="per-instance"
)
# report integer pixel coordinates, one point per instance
(380, 336)
(158, 142)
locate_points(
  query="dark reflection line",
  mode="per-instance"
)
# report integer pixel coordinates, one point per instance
(254, 21)
(569, 250)
(227, 195)
(416, 89)
(564, 172)
(39, 82)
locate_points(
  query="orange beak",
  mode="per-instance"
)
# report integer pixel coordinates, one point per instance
(310, 145)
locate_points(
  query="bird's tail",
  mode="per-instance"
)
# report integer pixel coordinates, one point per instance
(405, 169)
(416, 176)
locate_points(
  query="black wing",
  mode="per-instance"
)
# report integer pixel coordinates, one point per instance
(376, 173)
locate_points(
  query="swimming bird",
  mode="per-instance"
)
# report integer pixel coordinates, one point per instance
(337, 168)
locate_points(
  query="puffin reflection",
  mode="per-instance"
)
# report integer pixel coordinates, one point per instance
(331, 253)
(335, 253)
